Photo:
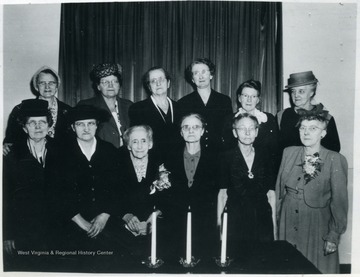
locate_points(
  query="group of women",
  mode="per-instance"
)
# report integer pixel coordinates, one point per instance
(90, 177)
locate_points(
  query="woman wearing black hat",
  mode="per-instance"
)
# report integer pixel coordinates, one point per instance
(89, 176)
(302, 89)
(107, 81)
(26, 192)
(45, 83)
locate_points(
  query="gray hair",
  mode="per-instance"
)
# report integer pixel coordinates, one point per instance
(129, 131)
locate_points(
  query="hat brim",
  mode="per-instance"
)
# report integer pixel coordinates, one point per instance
(94, 113)
(288, 87)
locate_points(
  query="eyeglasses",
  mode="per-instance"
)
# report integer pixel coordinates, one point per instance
(50, 84)
(252, 97)
(202, 72)
(245, 130)
(40, 123)
(187, 128)
(158, 80)
(83, 124)
(107, 83)
(311, 129)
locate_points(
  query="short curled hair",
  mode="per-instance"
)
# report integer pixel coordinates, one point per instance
(256, 85)
(130, 130)
(237, 118)
(317, 117)
(146, 77)
(206, 61)
(196, 115)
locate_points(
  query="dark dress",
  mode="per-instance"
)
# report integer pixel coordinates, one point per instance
(139, 202)
(165, 126)
(108, 130)
(88, 188)
(217, 109)
(202, 199)
(249, 213)
(14, 130)
(289, 133)
(28, 197)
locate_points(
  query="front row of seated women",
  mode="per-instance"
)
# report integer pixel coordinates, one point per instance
(90, 195)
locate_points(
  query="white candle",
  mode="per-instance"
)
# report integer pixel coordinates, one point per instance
(153, 238)
(224, 238)
(188, 238)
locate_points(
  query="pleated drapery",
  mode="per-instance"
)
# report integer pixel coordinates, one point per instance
(243, 39)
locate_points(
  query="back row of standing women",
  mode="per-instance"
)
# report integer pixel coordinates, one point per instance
(215, 158)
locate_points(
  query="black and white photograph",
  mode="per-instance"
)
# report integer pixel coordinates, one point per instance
(179, 137)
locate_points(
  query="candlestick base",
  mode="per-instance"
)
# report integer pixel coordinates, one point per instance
(223, 264)
(149, 264)
(193, 262)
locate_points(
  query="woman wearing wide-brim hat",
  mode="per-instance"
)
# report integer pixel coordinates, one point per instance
(27, 195)
(302, 89)
(88, 176)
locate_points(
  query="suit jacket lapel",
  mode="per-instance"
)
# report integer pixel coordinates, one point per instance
(102, 105)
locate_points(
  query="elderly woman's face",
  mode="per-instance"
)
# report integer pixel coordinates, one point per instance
(301, 96)
(245, 131)
(192, 129)
(109, 86)
(311, 132)
(139, 143)
(36, 127)
(47, 85)
(248, 99)
(85, 129)
(201, 75)
(158, 82)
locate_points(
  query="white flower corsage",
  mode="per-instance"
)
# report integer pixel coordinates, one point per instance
(311, 167)
(163, 180)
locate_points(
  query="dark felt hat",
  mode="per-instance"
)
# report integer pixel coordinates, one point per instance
(83, 112)
(106, 69)
(301, 79)
(34, 107)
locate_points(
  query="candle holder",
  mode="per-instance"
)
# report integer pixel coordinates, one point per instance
(225, 264)
(149, 264)
(193, 262)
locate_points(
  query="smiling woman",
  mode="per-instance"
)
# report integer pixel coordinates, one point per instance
(140, 167)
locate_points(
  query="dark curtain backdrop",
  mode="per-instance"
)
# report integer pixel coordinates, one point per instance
(243, 39)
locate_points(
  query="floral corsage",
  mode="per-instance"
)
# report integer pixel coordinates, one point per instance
(311, 167)
(163, 180)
